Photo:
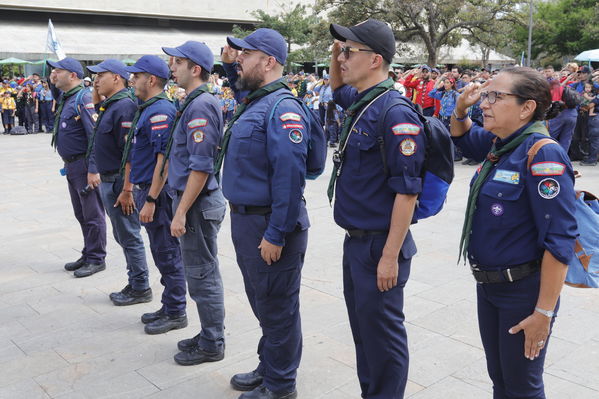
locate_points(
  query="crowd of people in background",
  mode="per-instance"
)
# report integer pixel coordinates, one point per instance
(28, 104)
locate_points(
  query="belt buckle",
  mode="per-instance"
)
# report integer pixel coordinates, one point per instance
(508, 273)
(347, 233)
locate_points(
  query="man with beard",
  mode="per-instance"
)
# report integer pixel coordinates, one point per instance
(199, 205)
(73, 128)
(106, 147)
(265, 148)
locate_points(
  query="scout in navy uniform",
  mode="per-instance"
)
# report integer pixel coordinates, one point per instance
(73, 128)
(115, 115)
(375, 206)
(520, 225)
(263, 179)
(199, 206)
(142, 164)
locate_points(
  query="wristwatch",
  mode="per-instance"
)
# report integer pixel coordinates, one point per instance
(548, 313)
(150, 199)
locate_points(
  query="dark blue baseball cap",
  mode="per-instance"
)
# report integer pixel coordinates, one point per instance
(197, 52)
(268, 41)
(111, 65)
(69, 64)
(151, 64)
(374, 33)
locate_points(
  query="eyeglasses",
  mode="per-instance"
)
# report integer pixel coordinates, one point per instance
(491, 96)
(347, 50)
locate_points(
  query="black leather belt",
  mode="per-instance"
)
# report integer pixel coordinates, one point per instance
(508, 275)
(250, 209)
(109, 177)
(73, 158)
(358, 233)
(142, 186)
(205, 193)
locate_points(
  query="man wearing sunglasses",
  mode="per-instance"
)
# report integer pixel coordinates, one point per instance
(377, 173)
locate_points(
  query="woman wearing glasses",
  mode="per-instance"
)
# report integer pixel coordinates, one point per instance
(519, 230)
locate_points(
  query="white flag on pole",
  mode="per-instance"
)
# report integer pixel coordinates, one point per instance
(52, 42)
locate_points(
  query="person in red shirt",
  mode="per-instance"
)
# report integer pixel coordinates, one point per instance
(422, 84)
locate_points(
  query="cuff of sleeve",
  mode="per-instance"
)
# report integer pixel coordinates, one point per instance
(201, 163)
(564, 257)
(274, 236)
(405, 184)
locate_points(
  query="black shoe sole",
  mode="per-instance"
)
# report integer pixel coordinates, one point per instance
(100, 269)
(244, 388)
(133, 301)
(196, 362)
(163, 331)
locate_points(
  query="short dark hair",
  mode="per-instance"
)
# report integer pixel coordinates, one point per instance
(530, 84)
(204, 75)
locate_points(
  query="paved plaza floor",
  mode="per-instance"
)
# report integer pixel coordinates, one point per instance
(60, 337)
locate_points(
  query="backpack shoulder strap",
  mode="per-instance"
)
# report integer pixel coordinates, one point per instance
(536, 147)
(78, 101)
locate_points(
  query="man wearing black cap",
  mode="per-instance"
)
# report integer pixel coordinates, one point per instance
(142, 161)
(199, 205)
(73, 129)
(114, 122)
(264, 149)
(377, 174)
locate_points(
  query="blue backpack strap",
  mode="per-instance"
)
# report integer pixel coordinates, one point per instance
(78, 101)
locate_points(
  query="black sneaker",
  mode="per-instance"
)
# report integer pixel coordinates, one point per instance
(72, 266)
(198, 356)
(90, 268)
(123, 291)
(153, 316)
(246, 381)
(131, 297)
(165, 324)
(264, 393)
(189, 344)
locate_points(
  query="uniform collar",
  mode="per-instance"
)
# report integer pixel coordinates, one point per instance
(500, 143)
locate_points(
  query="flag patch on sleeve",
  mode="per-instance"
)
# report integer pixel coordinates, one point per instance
(126, 125)
(547, 169)
(293, 126)
(158, 118)
(160, 127)
(89, 106)
(290, 116)
(198, 122)
(405, 128)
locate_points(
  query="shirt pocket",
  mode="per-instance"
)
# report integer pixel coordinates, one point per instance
(363, 153)
(504, 204)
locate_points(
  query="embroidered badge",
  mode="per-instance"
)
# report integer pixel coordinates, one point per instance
(290, 116)
(296, 136)
(497, 209)
(89, 106)
(198, 122)
(548, 169)
(126, 125)
(158, 118)
(507, 176)
(405, 128)
(160, 127)
(407, 147)
(293, 126)
(548, 188)
(63, 125)
(198, 136)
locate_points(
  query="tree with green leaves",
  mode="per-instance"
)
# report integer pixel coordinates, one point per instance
(435, 23)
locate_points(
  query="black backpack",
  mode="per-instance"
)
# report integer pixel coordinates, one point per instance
(437, 173)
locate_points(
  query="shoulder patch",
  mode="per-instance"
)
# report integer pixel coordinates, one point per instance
(126, 125)
(406, 128)
(548, 188)
(89, 106)
(296, 136)
(198, 136)
(290, 116)
(547, 169)
(158, 118)
(293, 126)
(198, 122)
(160, 127)
(408, 147)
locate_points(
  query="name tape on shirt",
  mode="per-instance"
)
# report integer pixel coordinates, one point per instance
(547, 169)
(160, 127)
(198, 122)
(407, 147)
(507, 176)
(158, 118)
(290, 116)
(406, 128)
(293, 126)
(548, 188)
(198, 136)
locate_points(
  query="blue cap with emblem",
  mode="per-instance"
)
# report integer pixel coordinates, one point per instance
(69, 64)
(197, 52)
(151, 64)
(110, 65)
(268, 41)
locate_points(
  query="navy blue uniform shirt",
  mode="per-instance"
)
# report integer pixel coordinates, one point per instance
(151, 137)
(364, 193)
(521, 212)
(111, 134)
(76, 126)
(196, 137)
(265, 163)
